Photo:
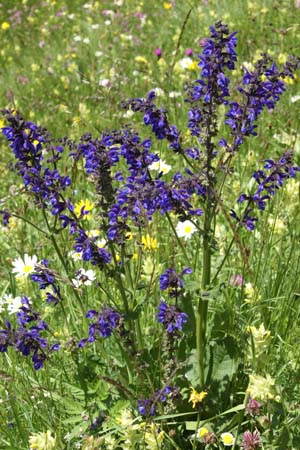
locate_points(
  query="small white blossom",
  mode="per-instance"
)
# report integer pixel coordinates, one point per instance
(24, 267)
(84, 278)
(104, 82)
(161, 166)
(174, 94)
(13, 304)
(185, 229)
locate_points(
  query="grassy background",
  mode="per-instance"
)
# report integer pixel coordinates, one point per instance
(67, 65)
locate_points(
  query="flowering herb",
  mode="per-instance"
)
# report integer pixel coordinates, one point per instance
(148, 407)
(105, 322)
(46, 279)
(171, 280)
(251, 441)
(268, 184)
(27, 340)
(171, 317)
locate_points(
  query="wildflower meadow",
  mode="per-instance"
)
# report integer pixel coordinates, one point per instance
(150, 238)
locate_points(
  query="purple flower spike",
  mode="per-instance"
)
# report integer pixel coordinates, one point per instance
(171, 317)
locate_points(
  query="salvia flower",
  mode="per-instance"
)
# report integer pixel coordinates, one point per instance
(28, 340)
(155, 118)
(30, 145)
(171, 317)
(47, 279)
(212, 88)
(90, 251)
(261, 89)
(5, 217)
(105, 322)
(251, 441)
(148, 406)
(269, 182)
(171, 280)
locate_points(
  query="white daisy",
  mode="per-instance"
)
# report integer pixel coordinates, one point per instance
(161, 166)
(227, 439)
(76, 256)
(84, 278)
(13, 304)
(185, 229)
(24, 267)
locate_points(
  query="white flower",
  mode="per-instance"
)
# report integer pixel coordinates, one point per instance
(77, 38)
(185, 63)
(227, 439)
(100, 243)
(174, 94)
(76, 256)
(24, 267)
(185, 229)
(95, 26)
(104, 82)
(98, 53)
(159, 92)
(295, 98)
(161, 166)
(86, 40)
(84, 278)
(128, 114)
(13, 304)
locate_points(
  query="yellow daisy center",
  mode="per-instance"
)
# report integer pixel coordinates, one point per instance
(27, 269)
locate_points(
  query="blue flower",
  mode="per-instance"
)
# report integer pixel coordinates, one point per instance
(171, 317)
(172, 281)
(105, 322)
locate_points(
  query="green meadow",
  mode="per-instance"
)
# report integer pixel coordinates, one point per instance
(150, 280)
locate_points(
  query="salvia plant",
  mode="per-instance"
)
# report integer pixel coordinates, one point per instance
(149, 335)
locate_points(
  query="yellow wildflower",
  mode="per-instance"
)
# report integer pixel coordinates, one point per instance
(197, 397)
(261, 388)
(85, 205)
(202, 432)
(193, 66)
(141, 59)
(5, 26)
(42, 441)
(149, 242)
(167, 5)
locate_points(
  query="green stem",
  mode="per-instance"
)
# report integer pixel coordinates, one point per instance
(201, 317)
(223, 261)
(63, 262)
(30, 223)
(119, 280)
(177, 238)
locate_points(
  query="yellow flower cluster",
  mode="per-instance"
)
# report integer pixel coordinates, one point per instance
(197, 397)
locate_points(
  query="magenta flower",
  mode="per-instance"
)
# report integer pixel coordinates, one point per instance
(158, 52)
(236, 280)
(189, 52)
(253, 407)
(251, 441)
